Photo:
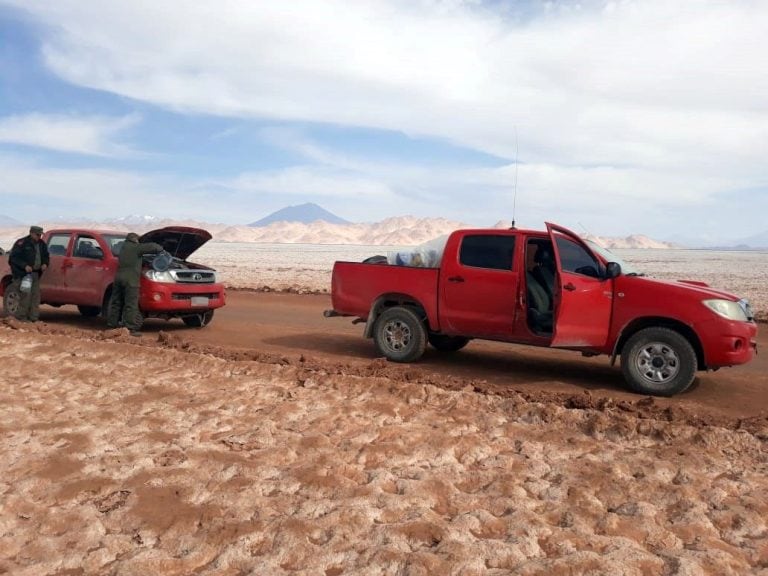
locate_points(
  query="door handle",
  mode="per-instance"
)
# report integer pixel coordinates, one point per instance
(570, 287)
(455, 279)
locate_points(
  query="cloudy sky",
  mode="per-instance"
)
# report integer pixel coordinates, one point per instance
(616, 117)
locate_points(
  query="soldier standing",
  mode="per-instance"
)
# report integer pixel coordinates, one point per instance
(124, 304)
(29, 255)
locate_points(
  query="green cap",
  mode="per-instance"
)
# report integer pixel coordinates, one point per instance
(35, 229)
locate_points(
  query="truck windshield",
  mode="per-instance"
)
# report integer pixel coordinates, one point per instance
(609, 256)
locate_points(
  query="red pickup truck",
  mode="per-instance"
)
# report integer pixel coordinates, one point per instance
(83, 266)
(549, 289)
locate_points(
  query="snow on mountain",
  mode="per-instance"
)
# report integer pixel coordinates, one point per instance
(134, 220)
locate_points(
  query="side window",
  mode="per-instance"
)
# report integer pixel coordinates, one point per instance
(574, 258)
(87, 247)
(57, 244)
(487, 251)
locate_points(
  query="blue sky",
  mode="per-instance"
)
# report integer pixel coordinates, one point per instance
(624, 117)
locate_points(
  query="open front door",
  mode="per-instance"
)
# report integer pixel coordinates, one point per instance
(584, 298)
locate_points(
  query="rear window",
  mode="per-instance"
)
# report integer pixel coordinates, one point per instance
(495, 252)
(57, 244)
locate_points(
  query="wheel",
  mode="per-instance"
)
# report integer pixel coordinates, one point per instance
(447, 343)
(90, 311)
(198, 320)
(659, 362)
(11, 299)
(400, 335)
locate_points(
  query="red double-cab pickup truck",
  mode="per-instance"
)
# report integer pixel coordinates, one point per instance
(550, 289)
(83, 266)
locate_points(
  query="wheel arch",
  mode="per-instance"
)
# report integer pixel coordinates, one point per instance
(388, 301)
(660, 322)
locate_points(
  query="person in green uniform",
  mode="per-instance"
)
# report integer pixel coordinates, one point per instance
(29, 255)
(124, 304)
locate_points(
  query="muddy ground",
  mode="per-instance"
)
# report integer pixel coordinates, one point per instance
(193, 452)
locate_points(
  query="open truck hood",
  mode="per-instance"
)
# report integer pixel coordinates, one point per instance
(179, 241)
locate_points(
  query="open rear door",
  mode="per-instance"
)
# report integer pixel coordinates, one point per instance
(584, 299)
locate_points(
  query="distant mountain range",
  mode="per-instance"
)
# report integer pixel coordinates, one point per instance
(758, 240)
(304, 213)
(311, 224)
(7, 221)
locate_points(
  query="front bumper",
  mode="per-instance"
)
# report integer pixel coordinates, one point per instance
(161, 298)
(727, 343)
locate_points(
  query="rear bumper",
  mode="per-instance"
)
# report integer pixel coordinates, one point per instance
(728, 343)
(158, 298)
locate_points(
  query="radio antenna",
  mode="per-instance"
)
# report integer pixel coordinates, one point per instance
(514, 196)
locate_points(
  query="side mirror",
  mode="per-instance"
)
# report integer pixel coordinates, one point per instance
(612, 269)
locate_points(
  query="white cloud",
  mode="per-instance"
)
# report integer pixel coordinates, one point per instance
(77, 134)
(638, 110)
(311, 181)
(445, 69)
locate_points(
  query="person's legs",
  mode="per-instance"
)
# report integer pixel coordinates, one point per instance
(22, 312)
(131, 316)
(34, 299)
(116, 303)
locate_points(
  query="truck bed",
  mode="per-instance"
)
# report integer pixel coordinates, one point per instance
(356, 286)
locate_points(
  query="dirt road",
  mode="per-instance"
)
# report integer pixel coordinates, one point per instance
(274, 442)
(292, 325)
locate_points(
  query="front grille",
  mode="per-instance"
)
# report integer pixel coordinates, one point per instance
(194, 276)
(209, 295)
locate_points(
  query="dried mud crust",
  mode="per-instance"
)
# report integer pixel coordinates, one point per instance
(643, 408)
(161, 456)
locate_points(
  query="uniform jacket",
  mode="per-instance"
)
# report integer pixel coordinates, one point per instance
(23, 254)
(129, 261)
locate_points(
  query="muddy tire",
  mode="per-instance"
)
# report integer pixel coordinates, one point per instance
(11, 299)
(89, 311)
(198, 320)
(447, 343)
(659, 362)
(400, 335)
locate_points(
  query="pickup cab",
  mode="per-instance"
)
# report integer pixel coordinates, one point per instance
(83, 263)
(547, 288)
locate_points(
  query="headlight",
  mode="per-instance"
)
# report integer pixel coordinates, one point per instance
(727, 309)
(157, 276)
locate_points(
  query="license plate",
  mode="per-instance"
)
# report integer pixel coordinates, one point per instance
(198, 301)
